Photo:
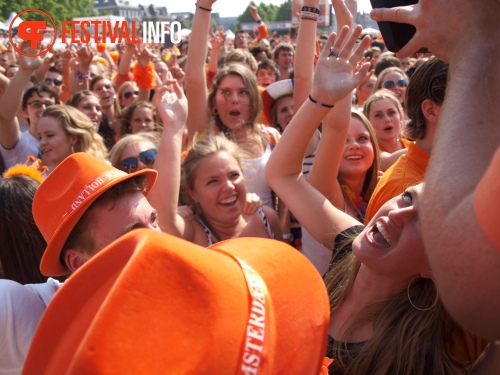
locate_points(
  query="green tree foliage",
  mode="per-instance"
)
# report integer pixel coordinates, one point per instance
(269, 12)
(59, 10)
(284, 11)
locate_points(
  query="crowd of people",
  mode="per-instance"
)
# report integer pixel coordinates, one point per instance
(273, 204)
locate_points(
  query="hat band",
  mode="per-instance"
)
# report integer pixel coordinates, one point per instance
(253, 356)
(95, 184)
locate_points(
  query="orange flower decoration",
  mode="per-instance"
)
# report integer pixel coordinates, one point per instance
(35, 170)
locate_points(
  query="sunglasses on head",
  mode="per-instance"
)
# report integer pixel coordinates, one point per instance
(131, 164)
(129, 94)
(53, 80)
(390, 84)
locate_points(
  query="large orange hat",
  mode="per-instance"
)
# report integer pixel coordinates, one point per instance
(65, 195)
(151, 303)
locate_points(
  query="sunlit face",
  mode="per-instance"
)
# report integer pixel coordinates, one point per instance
(365, 90)
(405, 62)
(358, 153)
(284, 59)
(55, 80)
(241, 40)
(162, 70)
(219, 187)
(55, 143)
(129, 95)
(91, 106)
(398, 90)
(134, 149)
(104, 89)
(233, 101)
(391, 244)
(35, 106)
(142, 120)
(265, 77)
(386, 120)
(262, 55)
(284, 111)
(115, 219)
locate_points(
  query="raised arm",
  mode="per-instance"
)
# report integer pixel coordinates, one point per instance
(323, 175)
(333, 80)
(304, 66)
(172, 106)
(464, 262)
(13, 95)
(196, 81)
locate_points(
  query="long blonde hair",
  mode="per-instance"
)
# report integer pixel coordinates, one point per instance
(78, 124)
(405, 340)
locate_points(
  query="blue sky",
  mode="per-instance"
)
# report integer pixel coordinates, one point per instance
(230, 8)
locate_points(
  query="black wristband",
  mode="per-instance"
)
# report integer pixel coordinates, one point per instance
(320, 103)
(310, 9)
(199, 6)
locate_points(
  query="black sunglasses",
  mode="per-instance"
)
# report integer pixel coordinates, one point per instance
(129, 94)
(130, 164)
(391, 84)
(56, 81)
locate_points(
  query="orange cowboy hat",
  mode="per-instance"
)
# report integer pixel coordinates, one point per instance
(65, 195)
(151, 303)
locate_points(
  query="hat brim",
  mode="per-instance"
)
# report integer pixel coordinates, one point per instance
(50, 264)
(274, 92)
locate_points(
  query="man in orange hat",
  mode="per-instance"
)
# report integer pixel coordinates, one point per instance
(80, 208)
(84, 205)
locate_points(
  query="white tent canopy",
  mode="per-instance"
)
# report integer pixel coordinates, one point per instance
(17, 22)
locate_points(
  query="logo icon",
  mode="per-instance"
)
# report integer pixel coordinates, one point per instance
(30, 31)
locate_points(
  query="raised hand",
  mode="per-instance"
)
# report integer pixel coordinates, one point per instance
(29, 63)
(337, 71)
(444, 26)
(171, 103)
(143, 56)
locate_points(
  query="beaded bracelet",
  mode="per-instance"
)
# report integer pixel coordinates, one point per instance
(79, 75)
(203, 8)
(308, 15)
(320, 103)
(310, 9)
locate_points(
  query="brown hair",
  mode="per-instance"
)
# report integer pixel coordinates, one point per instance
(250, 83)
(428, 82)
(22, 243)
(405, 340)
(371, 177)
(127, 113)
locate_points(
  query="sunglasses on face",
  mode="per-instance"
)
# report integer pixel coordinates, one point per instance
(53, 80)
(131, 164)
(391, 84)
(129, 94)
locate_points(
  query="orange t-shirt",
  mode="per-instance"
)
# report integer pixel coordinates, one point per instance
(409, 170)
(487, 201)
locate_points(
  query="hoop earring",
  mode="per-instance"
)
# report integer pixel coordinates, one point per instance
(418, 308)
(215, 111)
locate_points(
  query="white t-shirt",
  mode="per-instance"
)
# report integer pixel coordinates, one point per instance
(21, 308)
(26, 146)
